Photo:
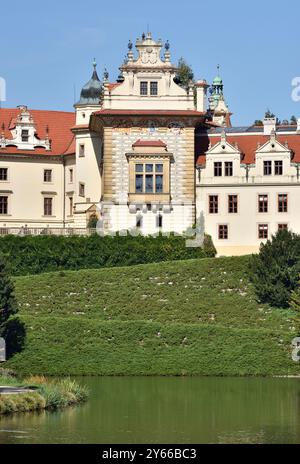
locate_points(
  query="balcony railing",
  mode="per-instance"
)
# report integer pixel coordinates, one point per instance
(23, 231)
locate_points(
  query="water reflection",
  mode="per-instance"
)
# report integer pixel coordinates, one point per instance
(169, 410)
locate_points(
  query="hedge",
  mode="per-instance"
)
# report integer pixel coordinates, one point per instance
(37, 254)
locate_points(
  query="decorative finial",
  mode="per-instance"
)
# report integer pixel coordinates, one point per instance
(130, 45)
(94, 63)
(167, 45)
(143, 36)
(105, 75)
(218, 68)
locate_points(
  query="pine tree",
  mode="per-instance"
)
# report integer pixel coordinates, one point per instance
(295, 299)
(275, 271)
(8, 305)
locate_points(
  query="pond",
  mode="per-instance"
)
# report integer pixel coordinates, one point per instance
(168, 410)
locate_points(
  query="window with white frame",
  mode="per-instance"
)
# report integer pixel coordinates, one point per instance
(3, 174)
(47, 175)
(48, 206)
(3, 204)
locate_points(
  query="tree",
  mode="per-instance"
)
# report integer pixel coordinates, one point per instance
(8, 304)
(275, 270)
(185, 74)
(269, 114)
(258, 122)
(294, 121)
(295, 299)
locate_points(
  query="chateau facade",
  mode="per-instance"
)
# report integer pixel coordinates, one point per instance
(148, 152)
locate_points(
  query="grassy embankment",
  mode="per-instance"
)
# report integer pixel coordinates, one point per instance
(47, 394)
(196, 317)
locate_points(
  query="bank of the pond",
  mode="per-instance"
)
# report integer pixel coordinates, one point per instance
(39, 393)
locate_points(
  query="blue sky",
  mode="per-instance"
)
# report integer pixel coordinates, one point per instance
(48, 47)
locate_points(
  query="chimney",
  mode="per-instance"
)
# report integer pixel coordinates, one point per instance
(201, 88)
(269, 126)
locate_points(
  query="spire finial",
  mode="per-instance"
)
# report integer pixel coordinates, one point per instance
(94, 63)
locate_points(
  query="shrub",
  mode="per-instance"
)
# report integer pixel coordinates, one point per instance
(34, 255)
(275, 271)
(8, 305)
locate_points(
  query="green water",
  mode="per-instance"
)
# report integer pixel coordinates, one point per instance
(168, 410)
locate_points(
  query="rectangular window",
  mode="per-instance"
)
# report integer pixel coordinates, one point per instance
(282, 227)
(139, 183)
(159, 183)
(232, 204)
(223, 232)
(81, 150)
(263, 231)
(218, 169)
(267, 168)
(153, 88)
(25, 135)
(70, 175)
(3, 174)
(149, 178)
(48, 206)
(144, 88)
(262, 203)
(278, 168)
(3, 205)
(282, 203)
(159, 221)
(71, 206)
(228, 169)
(213, 204)
(149, 183)
(47, 175)
(81, 190)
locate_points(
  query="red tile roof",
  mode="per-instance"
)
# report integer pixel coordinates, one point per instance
(248, 145)
(59, 124)
(149, 143)
(113, 85)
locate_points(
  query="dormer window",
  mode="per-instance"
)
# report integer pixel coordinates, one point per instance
(25, 135)
(267, 168)
(144, 88)
(228, 169)
(278, 168)
(153, 88)
(218, 169)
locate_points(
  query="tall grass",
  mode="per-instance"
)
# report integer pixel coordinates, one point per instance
(49, 394)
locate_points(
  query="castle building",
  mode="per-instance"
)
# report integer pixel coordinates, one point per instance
(149, 153)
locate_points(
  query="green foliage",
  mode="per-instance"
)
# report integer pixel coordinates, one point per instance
(93, 221)
(269, 114)
(295, 299)
(49, 394)
(294, 120)
(8, 305)
(275, 271)
(197, 317)
(185, 74)
(258, 122)
(33, 255)
(24, 402)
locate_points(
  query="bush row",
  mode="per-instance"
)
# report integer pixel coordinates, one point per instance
(37, 254)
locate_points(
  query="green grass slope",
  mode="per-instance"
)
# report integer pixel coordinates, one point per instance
(196, 317)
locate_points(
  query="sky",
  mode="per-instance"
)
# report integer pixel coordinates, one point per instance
(47, 48)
